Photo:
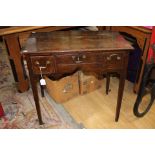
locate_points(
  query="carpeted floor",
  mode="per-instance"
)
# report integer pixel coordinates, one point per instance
(19, 108)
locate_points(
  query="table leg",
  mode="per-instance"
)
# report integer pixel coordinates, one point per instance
(13, 46)
(42, 91)
(120, 95)
(34, 80)
(107, 83)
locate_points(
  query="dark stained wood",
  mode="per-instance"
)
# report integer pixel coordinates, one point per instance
(34, 80)
(120, 95)
(107, 83)
(59, 53)
(65, 41)
(122, 74)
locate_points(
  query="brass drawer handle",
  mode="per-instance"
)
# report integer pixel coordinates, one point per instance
(112, 55)
(78, 59)
(83, 56)
(47, 63)
(118, 58)
(37, 63)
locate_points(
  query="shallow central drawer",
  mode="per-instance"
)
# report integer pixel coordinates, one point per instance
(79, 58)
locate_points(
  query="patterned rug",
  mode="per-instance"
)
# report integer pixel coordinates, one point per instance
(19, 108)
(6, 77)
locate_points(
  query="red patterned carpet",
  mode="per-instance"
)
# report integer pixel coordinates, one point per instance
(19, 108)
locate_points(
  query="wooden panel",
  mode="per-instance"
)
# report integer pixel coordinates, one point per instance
(115, 60)
(19, 29)
(47, 64)
(64, 89)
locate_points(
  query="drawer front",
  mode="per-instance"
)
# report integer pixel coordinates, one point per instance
(79, 58)
(72, 62)
(97, 67)
(45, 63)
(115, 60)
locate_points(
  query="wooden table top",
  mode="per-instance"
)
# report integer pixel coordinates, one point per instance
(65, 41)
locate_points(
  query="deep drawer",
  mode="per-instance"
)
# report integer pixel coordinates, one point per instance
(115, 60)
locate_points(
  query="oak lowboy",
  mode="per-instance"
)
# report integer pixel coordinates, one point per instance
(59, 53)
